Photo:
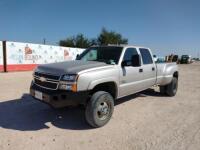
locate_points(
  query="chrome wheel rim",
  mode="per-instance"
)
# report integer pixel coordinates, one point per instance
(103, 110)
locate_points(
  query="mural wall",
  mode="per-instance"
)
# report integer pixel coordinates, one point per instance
(26, 56)
(27, 53)
(1, 56)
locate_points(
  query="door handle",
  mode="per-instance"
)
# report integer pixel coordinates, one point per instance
(140, 70)
(153, 68)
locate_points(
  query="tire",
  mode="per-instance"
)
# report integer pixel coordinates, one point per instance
(163, 90)
(99, 109)
(171, 88)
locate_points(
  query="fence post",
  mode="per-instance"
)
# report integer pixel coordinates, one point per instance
(4, 57)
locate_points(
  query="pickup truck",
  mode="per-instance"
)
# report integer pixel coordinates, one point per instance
(185, 59)
(99, 76)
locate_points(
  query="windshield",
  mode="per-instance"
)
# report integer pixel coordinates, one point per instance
(185, 56)
(107, 54)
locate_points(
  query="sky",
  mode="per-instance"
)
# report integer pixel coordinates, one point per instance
(165, 26)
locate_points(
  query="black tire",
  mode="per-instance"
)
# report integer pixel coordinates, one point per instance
(171, 88)
(99, 109)
(163, 90)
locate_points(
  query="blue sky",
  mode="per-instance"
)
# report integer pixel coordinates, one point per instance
(165, 26)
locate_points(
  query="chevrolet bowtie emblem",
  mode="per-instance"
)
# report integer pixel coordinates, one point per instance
(42, 79)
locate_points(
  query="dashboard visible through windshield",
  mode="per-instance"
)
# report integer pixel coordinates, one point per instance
(109, 55)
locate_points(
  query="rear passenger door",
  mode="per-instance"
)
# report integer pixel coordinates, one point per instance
(148, 67)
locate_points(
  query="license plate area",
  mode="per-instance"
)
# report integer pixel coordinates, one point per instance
(38, 95)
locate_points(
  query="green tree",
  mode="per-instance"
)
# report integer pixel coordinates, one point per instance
(68, 42)
(76, 41)
(105, 37)
(93, 41)
(81, 41)
(110, 37)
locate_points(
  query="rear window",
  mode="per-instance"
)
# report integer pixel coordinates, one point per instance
(146, 56)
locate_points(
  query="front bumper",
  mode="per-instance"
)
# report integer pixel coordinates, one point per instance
(60, 98)
(184, 61)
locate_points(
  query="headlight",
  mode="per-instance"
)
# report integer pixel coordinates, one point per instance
(69, 77)
(68, 82)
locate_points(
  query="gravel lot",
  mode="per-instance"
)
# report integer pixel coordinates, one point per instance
(143, 121)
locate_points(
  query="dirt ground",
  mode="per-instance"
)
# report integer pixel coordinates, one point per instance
(143, 121)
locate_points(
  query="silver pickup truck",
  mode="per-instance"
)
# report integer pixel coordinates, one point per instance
(99, 76)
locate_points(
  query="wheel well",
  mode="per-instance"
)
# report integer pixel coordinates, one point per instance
(175, 74)
(109, 87)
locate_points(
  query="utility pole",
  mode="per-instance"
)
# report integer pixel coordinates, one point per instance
(44, 41)
(4, 57)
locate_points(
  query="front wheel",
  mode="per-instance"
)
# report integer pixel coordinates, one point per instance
(99, 109)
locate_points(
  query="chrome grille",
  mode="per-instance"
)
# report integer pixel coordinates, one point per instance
(47, 81)
(49, 76)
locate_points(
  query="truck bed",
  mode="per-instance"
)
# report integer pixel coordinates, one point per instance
(164, 72)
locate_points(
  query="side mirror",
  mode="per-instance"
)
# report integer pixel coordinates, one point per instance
(135, 60)
(77, 56)
(124, 63)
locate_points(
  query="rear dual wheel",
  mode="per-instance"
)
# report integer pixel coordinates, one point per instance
(171, 88)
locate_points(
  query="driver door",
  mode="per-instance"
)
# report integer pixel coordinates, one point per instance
(130, 77)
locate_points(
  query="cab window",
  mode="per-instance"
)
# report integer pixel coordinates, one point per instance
(128, 55)
(146, 56)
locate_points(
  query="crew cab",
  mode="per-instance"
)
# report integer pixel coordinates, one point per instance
(99, 76)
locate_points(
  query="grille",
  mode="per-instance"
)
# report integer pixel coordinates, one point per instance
(48, 76)
(50, 82)
(46, 84)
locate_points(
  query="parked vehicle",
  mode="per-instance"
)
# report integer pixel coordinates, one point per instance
(185, 59)
(172, 58)
(99, 76)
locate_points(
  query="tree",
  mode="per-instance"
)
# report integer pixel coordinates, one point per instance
(81, 41)
(110, 37)
(69, 42)
(76, 41)
(105, 37)
(93, 41)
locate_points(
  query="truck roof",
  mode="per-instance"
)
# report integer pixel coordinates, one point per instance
(121, 45)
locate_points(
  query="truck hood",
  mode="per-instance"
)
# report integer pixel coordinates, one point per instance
(69, 67)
